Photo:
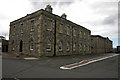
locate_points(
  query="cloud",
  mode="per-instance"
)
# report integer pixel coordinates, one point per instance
(110, 20)
(38, 4)
(10, 11)
(99, 16)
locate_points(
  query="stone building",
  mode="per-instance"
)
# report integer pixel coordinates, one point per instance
(100, 44)
(43, 33)
(3, 44)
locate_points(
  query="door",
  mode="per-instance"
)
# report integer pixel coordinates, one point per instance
(21, 46)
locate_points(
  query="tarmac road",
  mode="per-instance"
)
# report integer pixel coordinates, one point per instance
(50, 68)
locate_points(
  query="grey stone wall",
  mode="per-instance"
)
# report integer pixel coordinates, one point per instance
(46, 31)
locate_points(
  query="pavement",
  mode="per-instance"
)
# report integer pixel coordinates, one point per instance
(49, 67)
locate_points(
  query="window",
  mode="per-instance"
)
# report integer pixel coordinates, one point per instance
(21, 46)
(88, 37)
(88, 48)
(91, 39)
(60, 46)
(61, 28)
(84, 47)
(84, 35)
(68, 46)
(74, 46)
(81, 34)
(32, 25)
(74, 32)
(68, 30)
(12, 43)
(0, 44)
(14, 33)
(31, 44)
(48, 45)
(80, 46)
(13, 27)
(21, 28)
(36, 24)
(49, 24)
(13, 30)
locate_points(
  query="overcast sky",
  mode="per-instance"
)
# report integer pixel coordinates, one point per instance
(100, 16)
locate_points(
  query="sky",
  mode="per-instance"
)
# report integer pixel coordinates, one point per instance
(99, 16)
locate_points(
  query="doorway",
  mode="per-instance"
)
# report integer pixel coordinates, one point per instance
(20, 46)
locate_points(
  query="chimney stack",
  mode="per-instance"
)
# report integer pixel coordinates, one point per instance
(48, 8)
(64, 15)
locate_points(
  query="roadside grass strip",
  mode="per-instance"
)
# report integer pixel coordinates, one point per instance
(85, 62)
(30, 58)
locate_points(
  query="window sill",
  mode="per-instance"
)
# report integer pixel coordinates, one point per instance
(60, 32)
(68, 50)
(32, 30)
(31, 49)
(48, 50)
(68, 34)
(49, 29)
(60, 50)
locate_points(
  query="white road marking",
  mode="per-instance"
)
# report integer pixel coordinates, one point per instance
(30, 58)
(87, 62)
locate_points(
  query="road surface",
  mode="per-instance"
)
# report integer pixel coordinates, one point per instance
(50, 68)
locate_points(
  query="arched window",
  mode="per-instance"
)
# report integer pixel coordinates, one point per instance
(48, 45)
(68, 46)
(31, 44)
(21, 28)
(80, 46)
(21, 46)
(74, 46)
(60, 46)
(32, 25)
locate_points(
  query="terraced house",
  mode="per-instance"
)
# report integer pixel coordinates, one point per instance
(43, 33)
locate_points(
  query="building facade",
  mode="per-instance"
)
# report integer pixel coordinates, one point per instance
(43, 33)
(3, 44)
(100, 44)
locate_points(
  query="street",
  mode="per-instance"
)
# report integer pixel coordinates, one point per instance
(50, 68)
